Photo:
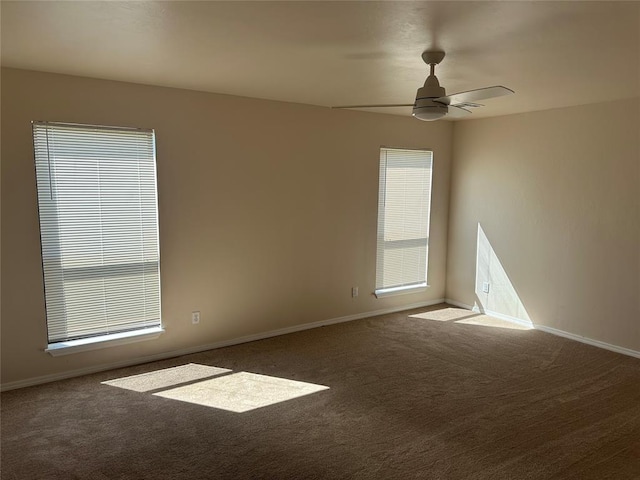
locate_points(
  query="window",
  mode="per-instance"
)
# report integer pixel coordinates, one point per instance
(97, 203)
(404, 201)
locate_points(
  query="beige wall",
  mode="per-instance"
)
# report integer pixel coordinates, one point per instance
(557, 197)
(267, 212)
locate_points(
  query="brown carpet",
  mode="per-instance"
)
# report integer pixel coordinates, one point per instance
(408, 397)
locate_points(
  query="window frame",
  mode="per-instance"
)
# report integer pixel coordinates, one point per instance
(52, 252)
(382, 291)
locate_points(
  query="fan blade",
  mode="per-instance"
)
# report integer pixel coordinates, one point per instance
(457, 112)
(376, 106)
(473, 96)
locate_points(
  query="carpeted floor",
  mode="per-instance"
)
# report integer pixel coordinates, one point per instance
(445, 394)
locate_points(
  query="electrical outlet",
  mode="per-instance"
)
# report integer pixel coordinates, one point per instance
(354, 292)
(485, 287)
(195, 317)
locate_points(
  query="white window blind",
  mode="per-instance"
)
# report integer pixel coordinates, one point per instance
(99, 229)
(404, 203)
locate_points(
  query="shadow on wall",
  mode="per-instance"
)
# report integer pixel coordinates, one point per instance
(495, 294)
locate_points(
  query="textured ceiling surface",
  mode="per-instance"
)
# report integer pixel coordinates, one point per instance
(553, 54)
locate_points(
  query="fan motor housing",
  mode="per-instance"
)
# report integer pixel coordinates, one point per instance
(428, 110)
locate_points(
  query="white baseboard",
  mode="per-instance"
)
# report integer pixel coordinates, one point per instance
(211, 346)
(502, 316)
(553, 331)
(456, 303)
(589, 341)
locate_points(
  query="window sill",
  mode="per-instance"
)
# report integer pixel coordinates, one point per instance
(103, 341)
(388, 292)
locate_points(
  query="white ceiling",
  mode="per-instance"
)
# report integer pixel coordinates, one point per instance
(553, 54)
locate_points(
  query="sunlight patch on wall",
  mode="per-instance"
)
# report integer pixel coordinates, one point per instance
(241, 392)
(494, 291)
(167, 377)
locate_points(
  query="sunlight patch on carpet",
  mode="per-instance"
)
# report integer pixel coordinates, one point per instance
(469, 317)
(444, 314)
(241, 392)
(485, 321)
(167, 377)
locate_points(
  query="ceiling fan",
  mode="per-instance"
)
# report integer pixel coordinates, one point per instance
(431, 101)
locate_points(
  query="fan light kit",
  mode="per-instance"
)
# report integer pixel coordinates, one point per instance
(432, 103)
